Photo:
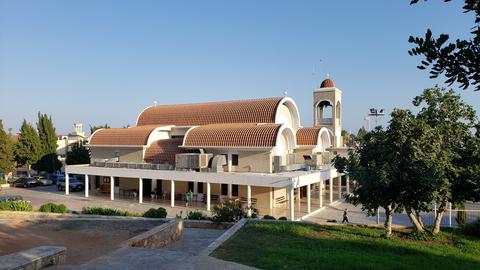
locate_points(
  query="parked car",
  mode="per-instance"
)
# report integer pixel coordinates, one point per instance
(56, 177)
(74, 184)
(26, 182)
(44, 181)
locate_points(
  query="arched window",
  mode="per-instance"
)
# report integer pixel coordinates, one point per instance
(338, 110)
(324, 112)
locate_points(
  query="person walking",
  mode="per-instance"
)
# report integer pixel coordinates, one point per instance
(345, 216)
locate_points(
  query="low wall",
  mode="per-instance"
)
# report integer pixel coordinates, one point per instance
(159, 236)
(43, 215)
(224, 237)
(207, 224)
(34, 258)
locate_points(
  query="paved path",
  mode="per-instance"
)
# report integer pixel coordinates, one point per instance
(183, 254)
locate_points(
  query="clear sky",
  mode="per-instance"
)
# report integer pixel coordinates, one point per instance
(98, 62)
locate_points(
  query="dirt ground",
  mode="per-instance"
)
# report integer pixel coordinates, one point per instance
(84, 239)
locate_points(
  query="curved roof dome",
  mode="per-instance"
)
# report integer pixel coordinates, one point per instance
(327, 83)
(237, 111)
(232, 135)
(122, 136)
(163, 151)
(308, 136)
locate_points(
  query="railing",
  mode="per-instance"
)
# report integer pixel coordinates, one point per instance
(131, 165)
(449, 218)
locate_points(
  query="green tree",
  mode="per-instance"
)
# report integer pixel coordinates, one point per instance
(78, 155)
(369, 163)
(28, 149)
(94, 128)
(49, 161)
(459, 61)
(7, 163)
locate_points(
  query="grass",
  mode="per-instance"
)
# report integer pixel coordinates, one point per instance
(285, 245)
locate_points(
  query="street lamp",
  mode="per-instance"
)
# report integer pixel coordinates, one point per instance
(375, 112)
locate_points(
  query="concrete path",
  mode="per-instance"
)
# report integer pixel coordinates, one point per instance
(183, 254)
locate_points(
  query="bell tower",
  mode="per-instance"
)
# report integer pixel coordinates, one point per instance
(327, 110)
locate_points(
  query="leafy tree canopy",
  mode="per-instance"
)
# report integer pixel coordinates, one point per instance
(458, 61)
(48, 161)
(28, 149)
(94, 128)
(7, 163)
(78, 155)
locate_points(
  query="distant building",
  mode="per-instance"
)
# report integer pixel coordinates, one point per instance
(65, 142)
(255, 151)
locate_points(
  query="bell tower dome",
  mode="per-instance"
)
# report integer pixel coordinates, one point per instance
(327, 109)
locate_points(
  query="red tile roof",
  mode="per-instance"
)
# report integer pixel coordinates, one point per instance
(233, 135)
(14, 138)
(327, 83)
(308, 136)
(122, 136)
(163, 151)
(236, 111)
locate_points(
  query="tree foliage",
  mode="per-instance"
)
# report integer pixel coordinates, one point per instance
(28, 149)
(78, 155)
(46, 131)
(458, 61)
(94, 128)
(420, 159)
(7, 163)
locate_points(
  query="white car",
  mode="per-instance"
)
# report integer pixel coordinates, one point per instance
(44, 181)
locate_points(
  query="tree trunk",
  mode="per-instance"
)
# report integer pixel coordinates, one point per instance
(413, 218)
(438, 217)
(388, 221)
(419, 218)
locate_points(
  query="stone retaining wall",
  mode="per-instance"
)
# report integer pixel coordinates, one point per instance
(159, 236)
(34, 258)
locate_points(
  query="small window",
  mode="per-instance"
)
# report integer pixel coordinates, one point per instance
(235, 190)
(225, 189)
(234, 160)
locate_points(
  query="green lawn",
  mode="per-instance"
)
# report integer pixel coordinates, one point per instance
(282, 245)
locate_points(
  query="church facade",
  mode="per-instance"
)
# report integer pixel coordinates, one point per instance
(255, 151)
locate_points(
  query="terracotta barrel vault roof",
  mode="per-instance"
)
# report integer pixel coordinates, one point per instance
(236, 111)
(308, 136)
(163, 151)
(122, 136)
(327, 83)
(232, 135)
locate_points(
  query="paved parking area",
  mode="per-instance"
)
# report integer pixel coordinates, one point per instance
(76, 200)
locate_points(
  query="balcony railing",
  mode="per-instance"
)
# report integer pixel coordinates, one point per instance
(131, 165)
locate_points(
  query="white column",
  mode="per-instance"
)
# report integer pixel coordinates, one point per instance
(330, 183)
(87, 182)
(450, 214)
(308, 199)
(339, 187)
(347, 184)
(321, 193)
(112, 188)
(67, 184)
(291, 202)
(195, 187)
(140, 190)
(271, 198)
(249, 200)
(229, 162)
(208, 196)
(172, 192)
(229, 191)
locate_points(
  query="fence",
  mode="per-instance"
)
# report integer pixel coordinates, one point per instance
(450, 217)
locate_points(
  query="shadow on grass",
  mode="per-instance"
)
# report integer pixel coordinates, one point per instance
(321, 248)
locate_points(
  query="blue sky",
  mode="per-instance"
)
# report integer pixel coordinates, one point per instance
(103, 61)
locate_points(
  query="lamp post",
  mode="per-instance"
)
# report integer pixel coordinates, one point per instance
(375, 112)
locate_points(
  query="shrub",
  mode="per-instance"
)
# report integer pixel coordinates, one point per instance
(269, 217)
(15, 206)
(196, 215)
(3, 181)
(229, 211)
(282, 218)
(106, 212)
(53, 208)
(472, 228)
(156, 213)
(331, 220)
